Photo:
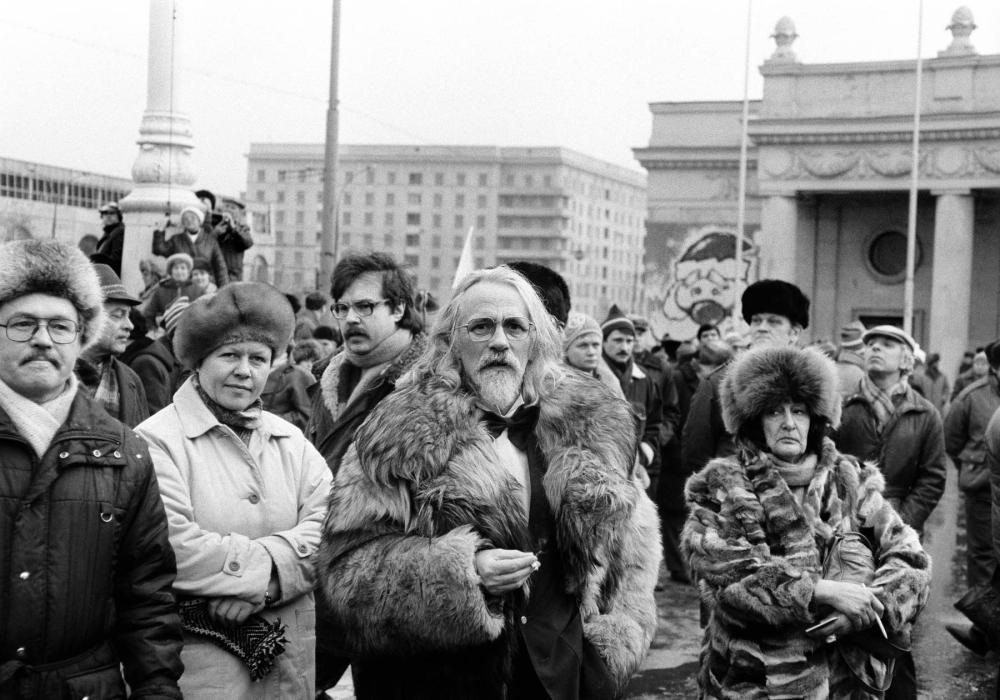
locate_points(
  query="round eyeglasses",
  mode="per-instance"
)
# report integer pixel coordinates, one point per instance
(21, 329)
(364, 308)
(483, 329)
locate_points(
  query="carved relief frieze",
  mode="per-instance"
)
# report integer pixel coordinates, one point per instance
(945, 161)
(989, 158)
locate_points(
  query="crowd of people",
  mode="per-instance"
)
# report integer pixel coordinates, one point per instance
(208, 490)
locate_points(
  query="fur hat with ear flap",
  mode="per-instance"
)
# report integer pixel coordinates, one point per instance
(56, 269)
(765, 377)
(239, 312)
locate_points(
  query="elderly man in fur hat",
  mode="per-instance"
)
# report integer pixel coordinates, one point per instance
(491, 471)
(777, 312)
(195, 241)
(87, 569)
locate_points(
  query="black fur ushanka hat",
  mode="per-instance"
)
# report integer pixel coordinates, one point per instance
(765, 377)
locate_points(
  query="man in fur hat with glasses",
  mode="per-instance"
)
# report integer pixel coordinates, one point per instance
(87, 569)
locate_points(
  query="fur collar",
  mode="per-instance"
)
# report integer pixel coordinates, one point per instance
(415, 437)
(330, 378)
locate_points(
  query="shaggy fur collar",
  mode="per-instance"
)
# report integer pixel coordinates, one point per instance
(330, 379)
(418, 433)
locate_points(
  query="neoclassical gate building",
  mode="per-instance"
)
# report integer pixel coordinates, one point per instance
(828, 184)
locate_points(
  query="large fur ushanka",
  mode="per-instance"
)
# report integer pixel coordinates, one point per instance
(422, 490)
(765, 377)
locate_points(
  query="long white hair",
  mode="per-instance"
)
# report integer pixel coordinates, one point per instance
(544, 369)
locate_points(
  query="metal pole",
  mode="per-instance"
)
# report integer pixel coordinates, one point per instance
(330, 235)
(741, 196)
(911, 225)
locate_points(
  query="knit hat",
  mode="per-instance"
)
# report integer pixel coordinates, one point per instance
(617, 321)
(173, 313)
(776, 297)
(239, 312)
(201, 264)
(850, 334)
(179, 257)
(112, 287)
(578, 324)
(48, 267)
(197, 212)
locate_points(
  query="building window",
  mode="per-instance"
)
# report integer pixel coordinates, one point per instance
(438, 179)
(484, 180)
(319, 197)
(480, 242)
(370, 175)
(508, 180)
(886, 256)
(279, 258)
(345, 238)
(435, 282)
(388, 218)
(459, 200)
(299, 238)
(413, 198)
(369, 199)
(390, 177)
(300, 197)
(390, 199)
(529, 181)
(261, 195)
(459, 241)
(279, 217)
(412, 219)
(281, 176)
(261, 176)
(347, 198)
(459, 221)
(368, 239)
(369, 218)
(411, 260)
(435, 241)
(388, 241)
(348, 177)
(435, 262)
(297, 278)
(436, 221)
(281, 196)
(480, 222)
(547, 180)
(438, 199)
(413, 239)
(481, 201)
(478, 263)
(298, 257)
(300, 217)
(416, 179)
(319, 216)
(460, 179)
(346, 218)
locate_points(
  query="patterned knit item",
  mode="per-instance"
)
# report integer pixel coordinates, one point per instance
(38, 423)
(257, 642)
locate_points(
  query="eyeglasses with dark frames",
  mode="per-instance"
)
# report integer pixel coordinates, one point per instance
(363, 308)
(483, 329)
(21, 329)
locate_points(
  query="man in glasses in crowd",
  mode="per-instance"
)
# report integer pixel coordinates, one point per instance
(493, 469)
(383, 335)
(87, 569)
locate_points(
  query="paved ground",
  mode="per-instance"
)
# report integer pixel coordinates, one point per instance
(946, 671)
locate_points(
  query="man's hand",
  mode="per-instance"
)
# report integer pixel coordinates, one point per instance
(230, 611)
(859, 604)
(503, 570)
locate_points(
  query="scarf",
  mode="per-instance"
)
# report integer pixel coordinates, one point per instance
(619, 369)
(243, 423)
(884, 403)
(374, 361)
(38, 422)
(107, 392)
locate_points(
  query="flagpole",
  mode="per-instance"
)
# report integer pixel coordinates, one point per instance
(742, 192)
(911, 224)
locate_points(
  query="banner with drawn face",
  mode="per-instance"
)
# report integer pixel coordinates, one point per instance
(690, 275)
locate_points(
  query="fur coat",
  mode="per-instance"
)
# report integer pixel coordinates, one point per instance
(757, 553)
(421, 491)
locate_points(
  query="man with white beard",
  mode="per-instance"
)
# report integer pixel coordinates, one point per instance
(492, 468)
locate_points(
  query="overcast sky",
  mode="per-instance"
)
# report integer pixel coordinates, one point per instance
(574, 73)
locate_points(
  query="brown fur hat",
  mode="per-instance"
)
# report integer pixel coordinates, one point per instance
(53, 268)
(767, 376)
(239, 312)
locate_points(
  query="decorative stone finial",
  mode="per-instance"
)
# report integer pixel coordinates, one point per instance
(962, 24)
(784, 35)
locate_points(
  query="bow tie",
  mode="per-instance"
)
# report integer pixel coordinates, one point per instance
(518, 426)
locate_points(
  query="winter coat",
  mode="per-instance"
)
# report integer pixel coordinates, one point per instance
(421, 491)
(234, 511)
(133, 407)
(204, 246)
(992, 442)
(86, 565)
(234, 240)
(640, 390)
(758, 553)
(909, 451)
(159, 371)
(111, 245)
(704, 435)
(965, 432)
(286, 394)
(163, 295)
(331, 430)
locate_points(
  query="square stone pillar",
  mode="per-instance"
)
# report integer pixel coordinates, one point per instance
(778, 237)
(951, 276)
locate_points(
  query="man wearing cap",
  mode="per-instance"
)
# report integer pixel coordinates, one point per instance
(195, 242)
(87, 568)
(110, 381)
(777, 312)
(233, 236)
(639, 387)
(890, 424)
(965, 442)
(112, 242)
(159, 370)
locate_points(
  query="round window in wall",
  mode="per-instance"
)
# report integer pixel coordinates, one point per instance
(887, 255)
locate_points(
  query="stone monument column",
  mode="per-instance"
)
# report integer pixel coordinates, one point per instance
(779, 218)
(162, 171)
(951, 286)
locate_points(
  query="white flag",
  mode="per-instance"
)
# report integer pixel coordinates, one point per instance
(465, 260)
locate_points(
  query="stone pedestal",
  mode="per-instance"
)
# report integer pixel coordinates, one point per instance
(162, 171)
(951, 281)
(778, 237)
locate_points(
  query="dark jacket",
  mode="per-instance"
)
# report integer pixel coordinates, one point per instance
(133, 408)
(163, 295)
(992, 441)
(87, 568)
(286, 394)
(965, 431)
(160, 373)
(205, 246)
(234, 240)
(111, 245)
(910, 452)
(642, 393)
(704, 435)
(333, 435)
